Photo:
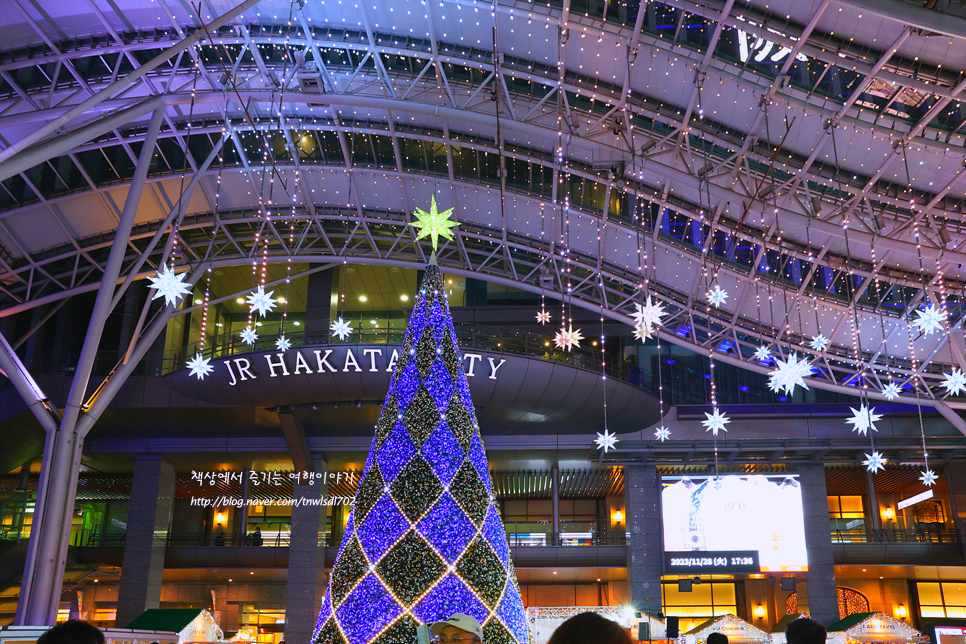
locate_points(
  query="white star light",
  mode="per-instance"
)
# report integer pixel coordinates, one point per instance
(643, 331)
(789, 373)
(716, 296)
(662, 433)
(543, 316)
(891, 391)
(341, 329)
(606, 441)
(875, 461)
(930, 319)
(249, 335)
(928, 478)
(863, 419)
(716, 422)
(283, 343)
(955, 382)
(762, 354)
(261, 301)
(649, 314)
(199, 367)
(169, 286)
(819, 343)
(567, 338)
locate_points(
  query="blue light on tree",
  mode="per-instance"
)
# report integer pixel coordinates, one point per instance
(424, 539)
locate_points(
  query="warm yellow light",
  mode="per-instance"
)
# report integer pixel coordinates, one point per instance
(618, 516)
(760, 611)
(901, 611)
(363, 298)
(403, 298)
(888, 513)
(221, 517)
(240, 300)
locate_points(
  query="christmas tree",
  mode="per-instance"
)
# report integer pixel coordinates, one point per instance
(424, 539)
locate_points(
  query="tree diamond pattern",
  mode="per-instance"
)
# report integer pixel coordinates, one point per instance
(423, 540)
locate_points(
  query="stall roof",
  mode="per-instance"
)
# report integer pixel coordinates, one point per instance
(849, 622)
(164, 619)
(781, 624)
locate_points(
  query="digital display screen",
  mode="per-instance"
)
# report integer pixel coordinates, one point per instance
(712, 524)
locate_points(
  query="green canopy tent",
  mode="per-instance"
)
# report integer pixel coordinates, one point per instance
(873, 628)
(191, 624)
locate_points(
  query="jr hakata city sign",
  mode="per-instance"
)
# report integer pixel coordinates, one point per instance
(313, 361)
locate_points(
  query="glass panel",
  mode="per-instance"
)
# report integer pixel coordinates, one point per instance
(851, 507)
(929, 594)
(833, 506)
(724, 594)
(932, 611)
(958, 612)
(954, 594)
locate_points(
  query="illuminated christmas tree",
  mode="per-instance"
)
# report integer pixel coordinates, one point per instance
(424, 539)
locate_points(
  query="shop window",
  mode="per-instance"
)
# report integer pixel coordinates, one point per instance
(845, 507)
(850, 603)
(706, 600)
(942, 599)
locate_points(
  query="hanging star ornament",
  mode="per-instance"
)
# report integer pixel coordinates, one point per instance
(662, 433)
(762, 354)
(891, 391)
(249, 335)
(283, 343)
(199, 367)
(928, 477)
(930, 319)
(716, 422)
(643, 331)
(434, 224)
(261, 301)
(819, 342)
(789, 373)
(543, 316)
(169, 286)
(716, 296)
(568, 339)
(955, 382)
(875, 461)
(863, 419)
(649, 314)
(606, 441)
(341, 329)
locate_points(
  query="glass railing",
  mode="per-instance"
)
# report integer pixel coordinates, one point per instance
(926, 533)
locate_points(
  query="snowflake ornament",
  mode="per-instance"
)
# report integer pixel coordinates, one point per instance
(762, 354)
(955, 382)
(930, 320)
(649, 314)
(341, 329)
(249, 335)
(928, 477)
(716, 422)
(606, 441)
(819, 342)
(567, 338)
(662, 433)
(261, 301)
(199, 367)
(789, 373)
(863, 419)
(875, 461)
(891, 391)
(716, 296)
(543, 316)
(169, 286)
(283, 343)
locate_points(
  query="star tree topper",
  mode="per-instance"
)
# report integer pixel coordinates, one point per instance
(169, 286)
(434, 224)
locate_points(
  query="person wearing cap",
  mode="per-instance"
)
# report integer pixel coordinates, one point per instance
(458, 629)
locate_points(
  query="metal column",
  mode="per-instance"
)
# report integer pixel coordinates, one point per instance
(555, 497)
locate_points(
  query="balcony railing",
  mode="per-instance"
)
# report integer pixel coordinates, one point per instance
(897, 535)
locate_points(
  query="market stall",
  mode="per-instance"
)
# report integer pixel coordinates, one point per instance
(543, 621)
(736, 629)
(875, 628)
(190, 624)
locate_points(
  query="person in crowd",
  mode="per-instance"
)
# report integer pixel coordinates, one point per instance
(257, 537)
(73, 631)
(220, 538)
(717, 638)
(805, 630)
(458, 629)
(590, 628)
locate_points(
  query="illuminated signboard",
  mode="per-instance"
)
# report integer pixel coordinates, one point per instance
(712, 524)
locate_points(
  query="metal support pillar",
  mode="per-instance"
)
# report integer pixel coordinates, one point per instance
(47, 550)
(555, 498)
(243, 515)
(875, 519)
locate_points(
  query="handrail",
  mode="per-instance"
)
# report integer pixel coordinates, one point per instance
(897, 535)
